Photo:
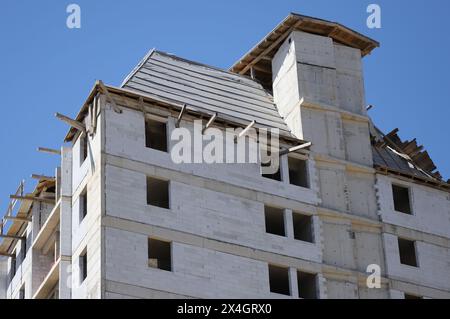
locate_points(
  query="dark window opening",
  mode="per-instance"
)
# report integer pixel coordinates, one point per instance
(306, 285)
(401, 199)
(298, 173)
(274, 218)
(159, 254)
(22, 292)
(303, 227)
(157, 192)
(156, 135)
(408, 296)
(23, 248)
(13, 267)
(279, 280)
(83, 148)
(407, 251)
(277, 175)
(83, 266)
(83, 204)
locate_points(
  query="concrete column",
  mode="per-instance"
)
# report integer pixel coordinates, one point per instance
(170, 127)
(288, 223)
(284, 169)
(65, 244)
(293, 284)
(322, 287)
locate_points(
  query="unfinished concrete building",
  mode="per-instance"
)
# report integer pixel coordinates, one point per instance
(119, 219)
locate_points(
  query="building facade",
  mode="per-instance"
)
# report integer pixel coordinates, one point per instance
(121, 219)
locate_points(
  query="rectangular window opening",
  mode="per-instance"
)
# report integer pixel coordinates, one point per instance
(83, 204)
(156, 135)
(402, 202)
(274, 218)
(303, 227)
(22, 292)
(13, 266)
(279, 280)
(307, 288)
(298, 173)
(276, 175)
(83, 148)
(158, 192)
(23, 248)
(407, 251)
(83, 265)
(159, 254)
(409, 296)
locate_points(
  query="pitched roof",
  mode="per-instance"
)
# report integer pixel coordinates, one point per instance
(206, 88)
(262, 53)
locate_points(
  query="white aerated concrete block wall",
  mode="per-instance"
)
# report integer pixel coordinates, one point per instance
(430, 207)
(86, 233)
(3, 276)
(433, 263)
(196, 272)
(200, 211)
(125, 138)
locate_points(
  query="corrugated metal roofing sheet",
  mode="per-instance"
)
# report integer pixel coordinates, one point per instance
(384, 157)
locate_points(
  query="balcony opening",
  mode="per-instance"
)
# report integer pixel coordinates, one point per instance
(402, 202)
(307, 288)
(156, 135)
(158, 192)
(303, 227)
(279, 280)
(407, 251)
(298, 173)
(159, 254)
(274, 218)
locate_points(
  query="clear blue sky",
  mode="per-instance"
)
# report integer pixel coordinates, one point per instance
(46, 67)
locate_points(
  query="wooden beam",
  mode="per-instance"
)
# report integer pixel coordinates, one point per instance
(32, 198)
(270, 47)
(252, 72)
(261, 69)
(141, 105)
(48, 150)
(245, 131)
(19, 219)
(75, 124)
(7, 255)
(109, 96)
(12, 237)
(37, 176)
(180, 116)
(295, 148)
(210, 122)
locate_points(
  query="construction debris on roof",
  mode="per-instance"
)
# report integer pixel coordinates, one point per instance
(403, 157)
(206, 88)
